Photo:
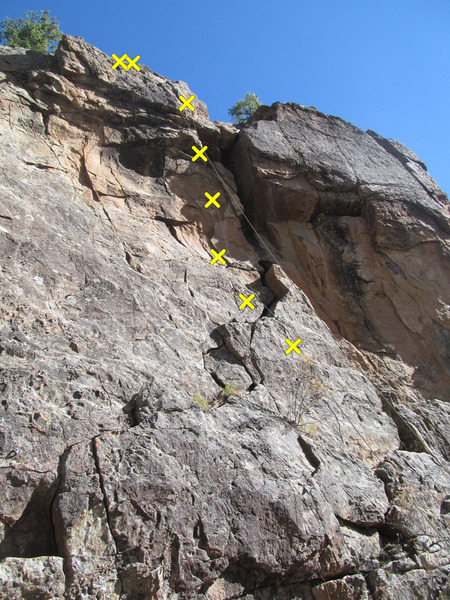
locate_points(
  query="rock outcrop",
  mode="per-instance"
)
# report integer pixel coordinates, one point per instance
(156, 440)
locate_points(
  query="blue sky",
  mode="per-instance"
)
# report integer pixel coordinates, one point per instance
(382, 65)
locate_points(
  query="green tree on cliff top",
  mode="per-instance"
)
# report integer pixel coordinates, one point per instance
(244, 108)
(37, 31)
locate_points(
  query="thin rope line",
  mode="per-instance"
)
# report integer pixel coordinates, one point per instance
(240, 211)
(223, 230)
(237, 207)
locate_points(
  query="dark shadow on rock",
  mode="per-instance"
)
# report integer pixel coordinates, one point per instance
(33, 534)
(21, 60)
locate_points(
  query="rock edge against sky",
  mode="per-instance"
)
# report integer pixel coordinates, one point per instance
(116, 484)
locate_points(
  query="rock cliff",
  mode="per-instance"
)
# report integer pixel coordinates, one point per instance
(156, 439)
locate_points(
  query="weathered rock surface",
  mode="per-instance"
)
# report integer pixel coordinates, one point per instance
(366, 231)
(40, 578)
(127, 472)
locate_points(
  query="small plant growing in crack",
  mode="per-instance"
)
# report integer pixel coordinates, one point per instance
(202, 401)
(308, 428)
(304, 390)
(231, 390)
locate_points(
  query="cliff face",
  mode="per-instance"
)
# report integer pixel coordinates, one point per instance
(127, 473)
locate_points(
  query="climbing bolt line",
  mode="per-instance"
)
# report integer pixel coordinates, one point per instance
(240, 212)
(218, 210)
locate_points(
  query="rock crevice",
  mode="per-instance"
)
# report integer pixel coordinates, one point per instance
(167, 445)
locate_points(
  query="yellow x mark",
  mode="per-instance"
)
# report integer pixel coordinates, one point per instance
(246, 301)
(199, 153)
(132, 63)
(212, 200)
(217, 257)
(186, 103)
(293, 346)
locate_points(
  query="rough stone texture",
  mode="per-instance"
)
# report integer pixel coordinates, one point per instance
(128, 472)
(352, 587)
(40, 578)
(366, 231)
(416, 584)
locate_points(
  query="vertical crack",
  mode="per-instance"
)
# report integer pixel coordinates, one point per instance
(240, 347)
(57, 524)
(253, 355)
(58, 480)
(105, 502)
(102, 487)
(310, 455)
(84, 177)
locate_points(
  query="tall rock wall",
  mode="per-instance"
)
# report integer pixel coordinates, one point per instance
(156, 440)
(364, 228)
